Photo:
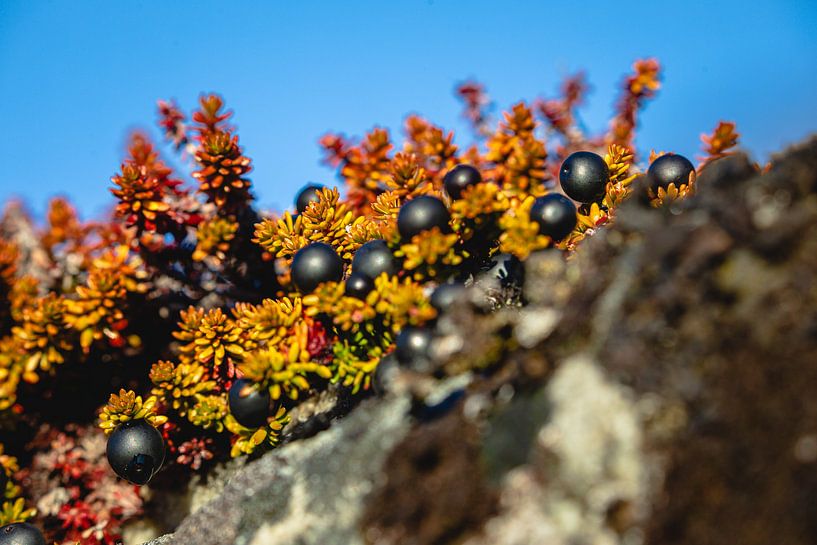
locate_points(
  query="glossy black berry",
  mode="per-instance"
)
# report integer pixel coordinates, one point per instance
(555, 214)
(21, 533)
(249, 404)
(307, 195)
(421, 214)
(584, 176)
(315, 264)
(373, 259)
(412, 345)
(669, 169)
(358, 285)
(445, 295)
(136, 451)
(460, 177)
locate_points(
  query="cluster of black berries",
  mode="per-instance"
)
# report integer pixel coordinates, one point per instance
(311, 266)
(136, 449)
(584, 175)
(318, 262)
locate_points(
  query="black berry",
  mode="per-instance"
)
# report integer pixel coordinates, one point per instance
(460, 177)
(421, 214)
(249, 404)
(445, 295)
(136, 451)
(584, 176)
(307, 195)
(411, 347)
(669, 169)
(373, 259)
(315, 264)
(358, 285)
(555, 214)
(21, 533)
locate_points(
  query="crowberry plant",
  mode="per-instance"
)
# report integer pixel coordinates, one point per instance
(211, 320)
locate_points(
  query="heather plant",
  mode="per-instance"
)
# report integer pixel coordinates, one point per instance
(192, 312)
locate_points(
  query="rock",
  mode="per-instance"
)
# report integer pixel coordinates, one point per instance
(579, 456)
(434, 486)
(309, 491)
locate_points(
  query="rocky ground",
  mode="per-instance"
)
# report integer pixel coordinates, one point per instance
(657, 388)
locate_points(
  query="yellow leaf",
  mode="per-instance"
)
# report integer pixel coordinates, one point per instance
(258, 437)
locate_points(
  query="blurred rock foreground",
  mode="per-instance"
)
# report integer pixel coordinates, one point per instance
(661, 387)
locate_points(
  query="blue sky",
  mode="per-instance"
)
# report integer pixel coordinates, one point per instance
(77, 76)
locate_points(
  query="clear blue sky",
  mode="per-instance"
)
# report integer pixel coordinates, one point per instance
(76, 76)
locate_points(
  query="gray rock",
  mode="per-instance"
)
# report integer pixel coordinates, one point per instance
(309, 491)
(584, 458)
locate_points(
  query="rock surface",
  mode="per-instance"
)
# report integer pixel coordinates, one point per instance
(309, 491)
(657, 388)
